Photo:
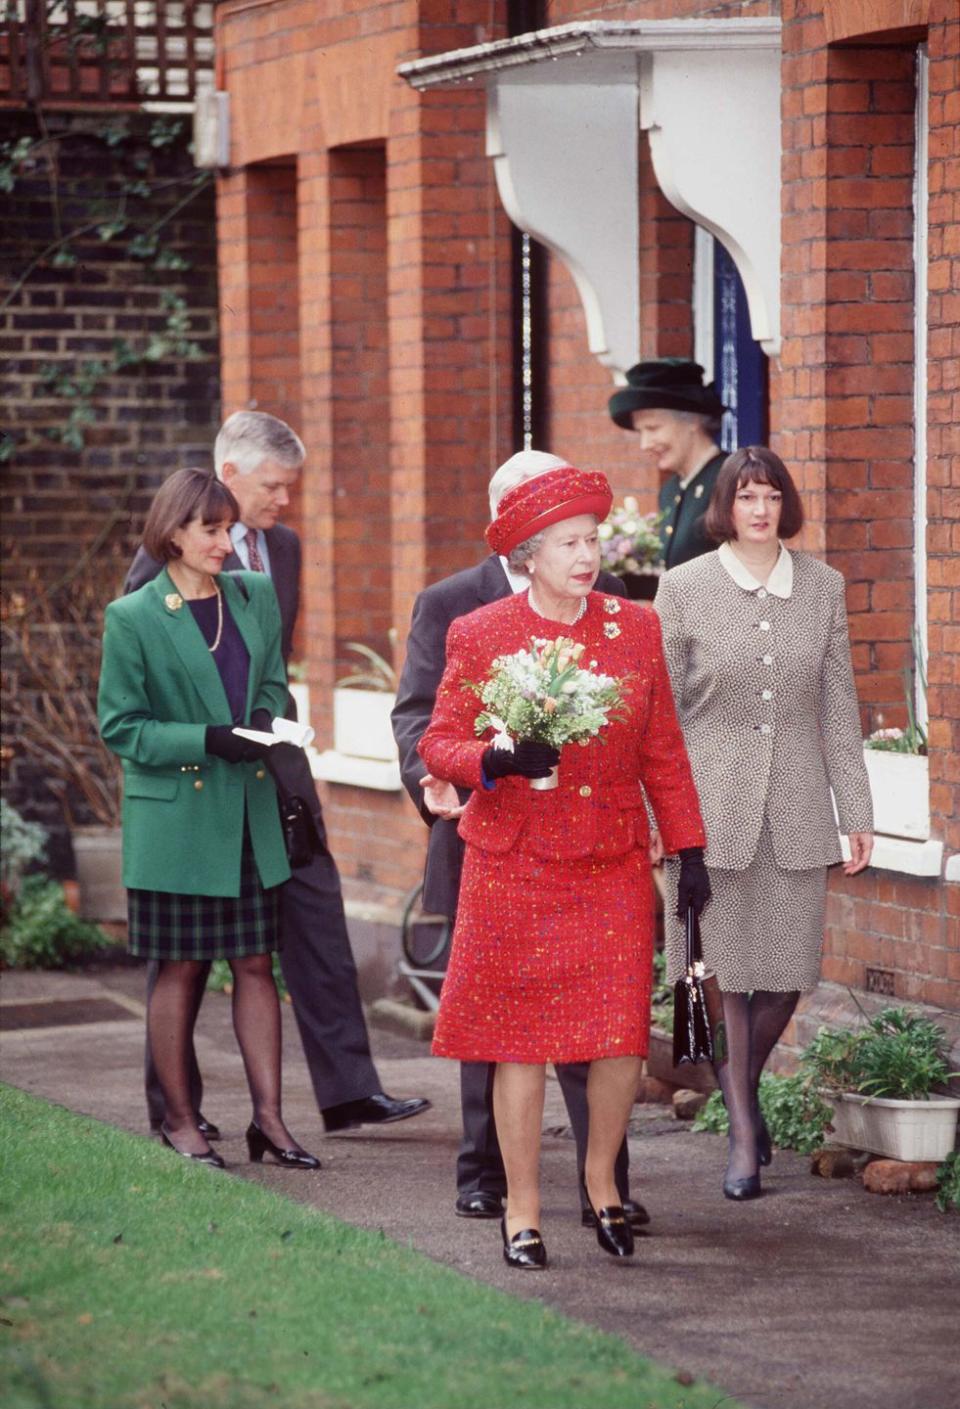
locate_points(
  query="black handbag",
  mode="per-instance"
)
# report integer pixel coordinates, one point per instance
(299, 831)
(692, 1038)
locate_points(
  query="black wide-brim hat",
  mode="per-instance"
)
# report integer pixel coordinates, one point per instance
(667, 384)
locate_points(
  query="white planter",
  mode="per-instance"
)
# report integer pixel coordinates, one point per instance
(361, 724)
(900, 784)
(300, 694)
(98, 853)
(904, 1130)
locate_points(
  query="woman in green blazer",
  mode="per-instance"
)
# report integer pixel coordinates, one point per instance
(187, 658)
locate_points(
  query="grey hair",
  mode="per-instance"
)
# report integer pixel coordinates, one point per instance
(247, 438)
(519, 556)
(526, 464)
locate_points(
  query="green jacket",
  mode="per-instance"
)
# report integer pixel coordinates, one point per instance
(183, 809)
(681, 529)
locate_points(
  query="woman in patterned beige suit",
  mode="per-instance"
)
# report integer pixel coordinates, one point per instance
(759, 658)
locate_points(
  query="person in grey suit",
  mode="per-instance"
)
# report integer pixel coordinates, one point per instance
(259, 457)
(759, 657)
(481, 1182)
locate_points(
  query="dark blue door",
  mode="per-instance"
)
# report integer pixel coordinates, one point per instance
(740, 363)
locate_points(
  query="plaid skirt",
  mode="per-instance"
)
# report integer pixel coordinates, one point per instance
(163, 925)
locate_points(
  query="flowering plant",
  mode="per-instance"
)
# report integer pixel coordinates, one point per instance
(913, 739)
(544, 694)
(629, 540)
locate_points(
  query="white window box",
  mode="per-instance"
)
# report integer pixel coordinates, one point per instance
(364, 754)
(900, 784)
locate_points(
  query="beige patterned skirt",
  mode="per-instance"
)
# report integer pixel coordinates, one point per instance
(763, 927)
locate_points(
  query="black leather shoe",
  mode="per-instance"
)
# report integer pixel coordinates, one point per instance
(207, 1128)
(764, 1145)
(614, 1233)
(637, 1215)
(480, 1204)
(258, 1145)
(524, 1250)
(211, 1157)
(742, 1189)
(372, 1110)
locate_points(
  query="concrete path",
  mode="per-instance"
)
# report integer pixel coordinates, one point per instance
(817, 1295)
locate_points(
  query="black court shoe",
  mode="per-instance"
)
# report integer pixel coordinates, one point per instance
(637, 1215)
(524, 1250)
(258, 1145)
(614, 1233)
(211, 1157)
(740, 1190)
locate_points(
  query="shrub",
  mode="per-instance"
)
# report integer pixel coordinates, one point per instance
(21, 843)
(42, 933)
(795, 1115)
(897, 1054)
(948, 1174)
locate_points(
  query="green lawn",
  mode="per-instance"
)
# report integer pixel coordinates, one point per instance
(129, 1278)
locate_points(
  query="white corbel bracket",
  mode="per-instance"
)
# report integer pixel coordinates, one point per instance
(563, 111)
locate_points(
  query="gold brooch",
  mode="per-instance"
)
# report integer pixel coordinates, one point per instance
(611, 630)
(173, 601)
(611, 605)
(698, 492)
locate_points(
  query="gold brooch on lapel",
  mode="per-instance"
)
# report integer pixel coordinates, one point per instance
(698, 492)
(173, 601)
(611, 605)
(611, 630)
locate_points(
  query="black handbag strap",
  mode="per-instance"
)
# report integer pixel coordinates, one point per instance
(694, 949)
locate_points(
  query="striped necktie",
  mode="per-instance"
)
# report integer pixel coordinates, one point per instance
(256, 562)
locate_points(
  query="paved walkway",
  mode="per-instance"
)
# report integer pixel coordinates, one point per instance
(816, 1295)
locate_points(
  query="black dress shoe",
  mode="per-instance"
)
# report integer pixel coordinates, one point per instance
(372, 1110)
(742, 1189)
(211, 1157)
(258, 1145)
(480, 1204)
(207, 1128)
(614, 1233)
(524, 1250)
(637, 1215)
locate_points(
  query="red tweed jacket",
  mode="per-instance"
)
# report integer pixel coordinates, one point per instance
(598, 809)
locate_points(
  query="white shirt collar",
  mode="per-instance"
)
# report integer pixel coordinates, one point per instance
(519, 581)
(778, 584)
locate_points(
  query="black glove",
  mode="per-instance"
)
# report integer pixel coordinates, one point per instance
(527, 760)
(262, 719)
(222, 742)
(694, 886)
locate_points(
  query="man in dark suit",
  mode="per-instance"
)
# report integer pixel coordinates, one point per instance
(481, 1182)
(678, 421)
(259, 458)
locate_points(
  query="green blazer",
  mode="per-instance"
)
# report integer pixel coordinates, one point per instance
(681, 529)
(183, 809)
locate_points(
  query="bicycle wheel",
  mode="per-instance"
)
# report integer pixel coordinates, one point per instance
(425, 938)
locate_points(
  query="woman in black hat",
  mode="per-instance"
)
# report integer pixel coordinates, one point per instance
(678, 421)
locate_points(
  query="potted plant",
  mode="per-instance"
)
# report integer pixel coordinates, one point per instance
(630, 547)
(882, 1081)
(362, 703)
(898, 768)
(53, 653)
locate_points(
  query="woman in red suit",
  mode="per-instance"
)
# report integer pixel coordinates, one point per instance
(552, 952)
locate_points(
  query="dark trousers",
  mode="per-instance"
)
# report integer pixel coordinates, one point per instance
(480, 1164)
(318, 969)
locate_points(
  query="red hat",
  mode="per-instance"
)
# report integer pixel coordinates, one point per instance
(548, 498)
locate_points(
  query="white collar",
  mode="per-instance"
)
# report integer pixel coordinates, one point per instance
(519, 581)
(778, 584)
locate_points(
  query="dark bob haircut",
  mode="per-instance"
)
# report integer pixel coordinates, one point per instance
(751, 464)
(186, 495)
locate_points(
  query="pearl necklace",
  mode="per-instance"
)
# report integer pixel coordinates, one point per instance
(581, 611)
(216, 639)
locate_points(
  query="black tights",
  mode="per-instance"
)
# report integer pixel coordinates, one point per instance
(747, 1027)
(256, 1022)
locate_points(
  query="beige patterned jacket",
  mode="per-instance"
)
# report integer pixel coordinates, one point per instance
(766, 699)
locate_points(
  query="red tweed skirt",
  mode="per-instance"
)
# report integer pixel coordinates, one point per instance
(551, 960)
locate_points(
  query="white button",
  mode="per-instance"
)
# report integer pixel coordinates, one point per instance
(766, 695)
(586, 790)
(768, 660)
(764, 626)
(766, 728)
(762, 592)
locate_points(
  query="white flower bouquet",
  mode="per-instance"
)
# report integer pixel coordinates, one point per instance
(629, 540)
(545, 694)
